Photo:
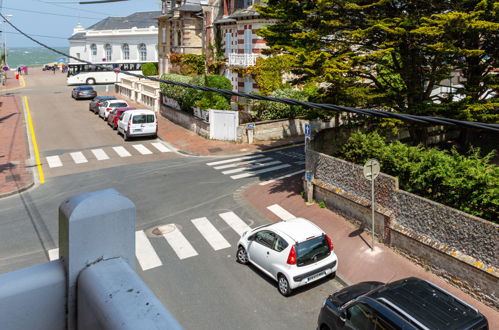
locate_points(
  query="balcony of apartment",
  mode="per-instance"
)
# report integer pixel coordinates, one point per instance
(242, 60)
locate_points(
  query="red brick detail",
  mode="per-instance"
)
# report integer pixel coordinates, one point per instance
(240, 51)
(255, 85)
(259, 41)
(240, 84)
(240, 32)
(240, 41)
(257, 51)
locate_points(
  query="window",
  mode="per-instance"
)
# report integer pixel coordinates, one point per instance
(280, 244)
(227, 43)
(109, 52)
(247, 3)
(143, 119)
(359, 317)
(163, 34)
(248, 84)
(93, 49)
(142, 52)
(266, 238)
(126, 51)
(179, 38)
(248, 40)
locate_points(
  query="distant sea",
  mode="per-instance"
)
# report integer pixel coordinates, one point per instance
(33, 56)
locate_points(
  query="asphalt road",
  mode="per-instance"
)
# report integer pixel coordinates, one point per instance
(206, 291)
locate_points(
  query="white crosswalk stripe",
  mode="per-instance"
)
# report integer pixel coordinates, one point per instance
(145, 253)
(100, 154)
(235, 222)
(180, 244)
(54, 161)
(122, 152)
(143, 150)
(160, 146)
(265, 170)
(239, 163)
(280, 212)
(220, 162)
(264, 183)
(53, 254)
(210, 233)
(78, 157)
(250, 167)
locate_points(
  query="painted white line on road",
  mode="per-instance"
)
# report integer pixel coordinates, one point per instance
(235, 222)
(210, 233)
(53, 254)
(264, 183)
(100, 154)
(240, 169)
(145, 253)
(78, 157)
(240, 163)
(180, 244)
(253, 173)
(143, 150)
(301, 162)
(122, 152)
(280, 212)
(234, 160)
(160, 146)
(54, 161)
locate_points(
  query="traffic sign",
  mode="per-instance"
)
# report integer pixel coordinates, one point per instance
(371, 169)
(308, 176)
(5, 68)
(307, 130)
(250, 126)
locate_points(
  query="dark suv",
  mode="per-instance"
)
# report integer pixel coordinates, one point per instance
(97, 102)
(410, 303)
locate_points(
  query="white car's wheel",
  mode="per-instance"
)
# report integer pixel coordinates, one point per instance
(283, 286)
(242, 256)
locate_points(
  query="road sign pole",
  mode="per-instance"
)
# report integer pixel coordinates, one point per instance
(372, 211)
(371, 171)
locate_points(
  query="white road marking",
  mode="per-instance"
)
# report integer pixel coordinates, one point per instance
(301, 162)
(100, 154)
(180, 244)
(280, 212)
(245, 163)
(210, 233)
(78, 157)
(252, 166)
(143, 150)
(264, 183)
(54, 161)
(235, 222)
(122, 152)
(53, 254)
(253, 173)
(145, 253)
(160, 146)
(234, 160)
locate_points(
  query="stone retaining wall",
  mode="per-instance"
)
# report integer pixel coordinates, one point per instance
(455, 244)
(186, 120)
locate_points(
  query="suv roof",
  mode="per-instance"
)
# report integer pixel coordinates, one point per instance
(426, 305)
(298, 229)
(105, 97)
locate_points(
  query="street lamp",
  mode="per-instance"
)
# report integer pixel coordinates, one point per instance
(7, 16)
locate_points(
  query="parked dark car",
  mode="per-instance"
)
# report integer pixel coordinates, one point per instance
(410, 303)
(83, 92)
(97, 102)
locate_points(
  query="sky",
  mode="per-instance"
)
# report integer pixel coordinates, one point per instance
(52, 21)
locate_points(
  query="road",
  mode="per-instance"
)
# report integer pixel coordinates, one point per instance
(206, 289)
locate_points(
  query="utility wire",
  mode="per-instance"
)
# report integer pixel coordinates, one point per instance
(427, 120)
(49, 13)
(36, 35)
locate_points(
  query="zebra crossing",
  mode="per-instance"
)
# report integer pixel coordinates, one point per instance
(78, 157)
(247, 166)
(148, 258)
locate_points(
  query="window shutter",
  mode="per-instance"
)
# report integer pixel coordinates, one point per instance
(248, 39)
(227, 43)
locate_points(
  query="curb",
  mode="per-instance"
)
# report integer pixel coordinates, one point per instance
(18, 191)
(342, 280)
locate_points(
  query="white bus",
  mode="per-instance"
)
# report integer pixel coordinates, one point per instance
(91, 74)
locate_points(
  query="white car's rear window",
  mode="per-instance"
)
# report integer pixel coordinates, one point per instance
(143, 119)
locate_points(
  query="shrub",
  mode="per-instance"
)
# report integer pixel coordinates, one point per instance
(150, 69)
(209, 100)
(465, 182)
(175, 92)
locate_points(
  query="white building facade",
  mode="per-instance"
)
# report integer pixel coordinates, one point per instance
(117, 39)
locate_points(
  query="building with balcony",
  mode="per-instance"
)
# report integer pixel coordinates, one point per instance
(117, 39)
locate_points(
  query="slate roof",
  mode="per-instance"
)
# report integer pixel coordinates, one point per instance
(143, 19)
(246, 12)
(78, 36)
(189, 7)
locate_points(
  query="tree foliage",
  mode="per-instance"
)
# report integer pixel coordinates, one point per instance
(465, 182)
(150, 69)
(393, 53)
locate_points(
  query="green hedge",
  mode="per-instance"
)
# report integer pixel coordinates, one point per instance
(209, 100)
(467, 183)
(150, 69)
(178, 93)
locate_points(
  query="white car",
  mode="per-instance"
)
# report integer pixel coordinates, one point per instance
(293, 252)
(109, 106)
(138, 122)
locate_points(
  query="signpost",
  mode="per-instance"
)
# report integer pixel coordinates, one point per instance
(371, 171)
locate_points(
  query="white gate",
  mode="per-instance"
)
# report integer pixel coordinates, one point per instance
(223, 125)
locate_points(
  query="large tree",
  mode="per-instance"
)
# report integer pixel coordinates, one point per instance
(389, 54)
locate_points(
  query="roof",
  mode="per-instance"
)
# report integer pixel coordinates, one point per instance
(192, 8)
(245, 12)
(143, 19)
(299, 229)
(78, 36)
(225, 20)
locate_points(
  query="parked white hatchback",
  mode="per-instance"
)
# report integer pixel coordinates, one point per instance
(109, 106)
(293, 252)
(140, 122)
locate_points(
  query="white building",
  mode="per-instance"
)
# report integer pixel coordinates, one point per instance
(117, 39)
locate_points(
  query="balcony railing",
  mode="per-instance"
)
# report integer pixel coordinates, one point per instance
(242, 60)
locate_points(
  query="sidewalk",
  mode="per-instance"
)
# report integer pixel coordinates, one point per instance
(15, 176)
(356, 261)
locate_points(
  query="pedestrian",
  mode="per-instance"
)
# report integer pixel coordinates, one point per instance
(53, 68)
(19, 70)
